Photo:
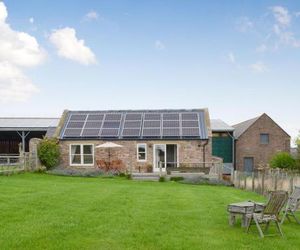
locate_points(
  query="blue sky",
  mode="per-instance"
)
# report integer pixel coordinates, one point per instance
(237, 58)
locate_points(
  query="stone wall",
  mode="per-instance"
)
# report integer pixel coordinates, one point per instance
(248, 144)
(190, 152)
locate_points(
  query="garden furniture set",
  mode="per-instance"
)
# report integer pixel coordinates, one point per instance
(260, 213)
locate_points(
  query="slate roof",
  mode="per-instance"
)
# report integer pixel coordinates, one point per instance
(240, 128)
(27, 123)
(217, 125)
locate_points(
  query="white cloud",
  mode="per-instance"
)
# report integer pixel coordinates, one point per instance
(262, 48)
(159, 45)
(31, 20)
(70, 47)
(92, 15)
(259, 67)
(231, 57)
(244, 24)
(281, 15)
(14, 85)
(17, 50)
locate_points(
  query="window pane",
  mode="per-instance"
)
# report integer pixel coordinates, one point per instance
(142, 156)
(75, 149)
(264, 138)
(141, 152)
(87, 149)
(75, 159)
(142, 149)
(88, 159)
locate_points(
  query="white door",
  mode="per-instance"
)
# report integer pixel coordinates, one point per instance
(159, 157)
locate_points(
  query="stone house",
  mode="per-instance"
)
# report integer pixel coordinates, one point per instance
(257, 141)
(151, 140)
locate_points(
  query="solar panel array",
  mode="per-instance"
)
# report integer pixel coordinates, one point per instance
(135, 125)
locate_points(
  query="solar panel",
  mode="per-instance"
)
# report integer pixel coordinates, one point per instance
(113, 117)
(95, 117)
(132, 124)
(152, 116)
(152, 124)
(93, 124)
(110, 132)
(190, 132)
(111, 124)
(133, 116)
(78, 117)
(189, 116)
(188, 124)
(72, 132)
(139, 125)
(170, 124)
(151, 132)
(131, 132)
(75, 124)
(171, 116)
(171, 132)
(91, 132)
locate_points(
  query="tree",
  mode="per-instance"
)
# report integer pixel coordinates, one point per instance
(283, 160)
(297, 142)
(48, 152)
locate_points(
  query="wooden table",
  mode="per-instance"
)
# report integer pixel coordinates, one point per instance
(242, 208)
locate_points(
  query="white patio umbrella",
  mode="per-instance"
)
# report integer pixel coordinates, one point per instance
(109, 146)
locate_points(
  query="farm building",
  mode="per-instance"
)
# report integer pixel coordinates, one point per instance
(149, 140)
(257, 141)
(14, 131)
(223, 143)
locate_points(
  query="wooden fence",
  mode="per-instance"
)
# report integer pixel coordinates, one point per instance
(262, 181)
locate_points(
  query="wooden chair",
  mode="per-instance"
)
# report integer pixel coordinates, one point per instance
(101, 164)
(277, 200)
(292, 205)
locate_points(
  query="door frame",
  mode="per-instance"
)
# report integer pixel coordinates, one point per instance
(155, 168)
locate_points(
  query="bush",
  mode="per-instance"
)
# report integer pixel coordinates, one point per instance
(176, 178)
(48, 152)
(283, 160)
(162, 179)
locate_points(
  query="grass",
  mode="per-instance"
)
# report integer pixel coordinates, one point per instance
(39, 211)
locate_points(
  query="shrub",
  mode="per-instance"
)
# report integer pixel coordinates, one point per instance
(48, 152)
(283, 160)
(162, 179)
(176, 178)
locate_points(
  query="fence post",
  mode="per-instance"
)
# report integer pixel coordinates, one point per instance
(263, 182)
(275, 180)
(292, 182)
(253, 176)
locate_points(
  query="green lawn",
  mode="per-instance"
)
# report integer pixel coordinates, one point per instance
(51, 212)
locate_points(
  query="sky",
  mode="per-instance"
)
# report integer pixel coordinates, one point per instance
(239, 59)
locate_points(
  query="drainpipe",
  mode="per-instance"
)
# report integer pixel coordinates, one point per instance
(203, 148)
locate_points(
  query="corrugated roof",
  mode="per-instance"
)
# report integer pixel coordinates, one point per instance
(240, 128)
(218, 125)
(136, 124)
(27, 123)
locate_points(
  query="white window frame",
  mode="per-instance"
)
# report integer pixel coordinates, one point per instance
(81, 154)
(137, 152)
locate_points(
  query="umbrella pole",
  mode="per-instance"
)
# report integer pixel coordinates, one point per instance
(109, 157)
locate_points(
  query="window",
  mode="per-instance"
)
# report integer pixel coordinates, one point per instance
(264, 138)
(82, 154)
(142, 152)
